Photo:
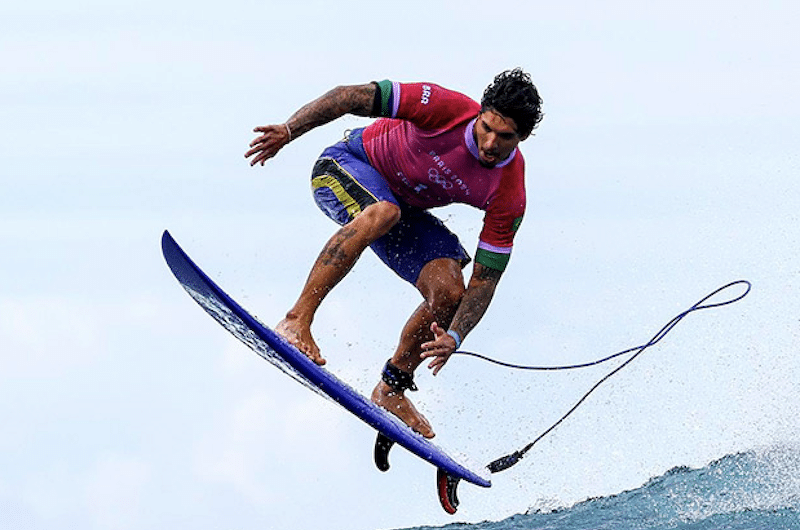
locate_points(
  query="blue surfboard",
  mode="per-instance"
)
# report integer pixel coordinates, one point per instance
(275, 349)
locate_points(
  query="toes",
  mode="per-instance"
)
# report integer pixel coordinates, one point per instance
(423, 427)
(401, 407)
(426, 433)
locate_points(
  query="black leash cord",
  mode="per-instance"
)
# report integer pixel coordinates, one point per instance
(507, 461)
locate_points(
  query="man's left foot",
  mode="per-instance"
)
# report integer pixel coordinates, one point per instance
(398, 404)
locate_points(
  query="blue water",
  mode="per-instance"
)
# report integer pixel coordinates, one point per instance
(755, 490)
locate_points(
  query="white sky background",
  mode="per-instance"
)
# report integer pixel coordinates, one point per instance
(665, 167)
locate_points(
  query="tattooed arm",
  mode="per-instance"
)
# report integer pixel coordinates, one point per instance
(473, 306)
(353, 99)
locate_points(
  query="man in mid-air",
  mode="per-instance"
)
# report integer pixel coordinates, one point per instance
(430, 147)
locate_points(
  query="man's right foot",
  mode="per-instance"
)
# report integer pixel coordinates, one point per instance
(398, 404)
(299, 336)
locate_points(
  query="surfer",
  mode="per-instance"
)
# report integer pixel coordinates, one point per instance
(429, 147)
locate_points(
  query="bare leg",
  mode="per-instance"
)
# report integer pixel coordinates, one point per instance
(334, 262)
(442, 285)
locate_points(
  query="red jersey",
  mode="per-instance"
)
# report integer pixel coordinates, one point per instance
(426, 151)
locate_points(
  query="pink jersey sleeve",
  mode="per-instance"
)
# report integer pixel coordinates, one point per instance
(427, 105)
(503, 217)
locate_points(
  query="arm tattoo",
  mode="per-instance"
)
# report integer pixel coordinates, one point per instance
(487, 274)
(334, 104)
(476, 299)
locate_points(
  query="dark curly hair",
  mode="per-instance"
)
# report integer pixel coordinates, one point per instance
(513, 94)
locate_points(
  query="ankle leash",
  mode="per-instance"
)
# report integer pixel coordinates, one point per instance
(397, 379)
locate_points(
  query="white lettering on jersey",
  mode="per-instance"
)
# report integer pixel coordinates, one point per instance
(426, 94)
(442, 175)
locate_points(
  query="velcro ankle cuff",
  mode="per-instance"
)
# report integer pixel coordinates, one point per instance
(397, 379)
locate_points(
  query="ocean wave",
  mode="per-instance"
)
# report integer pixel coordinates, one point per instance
(757, 489)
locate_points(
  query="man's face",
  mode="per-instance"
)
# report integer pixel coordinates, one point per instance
(496, 137)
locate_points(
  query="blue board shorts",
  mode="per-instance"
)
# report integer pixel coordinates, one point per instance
(344, 184)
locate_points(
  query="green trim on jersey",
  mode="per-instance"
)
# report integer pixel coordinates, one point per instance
(385, 94)
(493, 260)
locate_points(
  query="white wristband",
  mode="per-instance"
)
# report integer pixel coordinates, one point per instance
(455, 336)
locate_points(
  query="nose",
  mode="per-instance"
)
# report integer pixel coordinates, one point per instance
(490, 141)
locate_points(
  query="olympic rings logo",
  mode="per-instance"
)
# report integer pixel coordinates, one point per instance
(436, 177)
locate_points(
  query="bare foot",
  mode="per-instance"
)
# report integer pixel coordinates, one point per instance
(400, 406)
(299, 335)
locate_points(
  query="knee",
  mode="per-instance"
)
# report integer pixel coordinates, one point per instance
(449, 296)
(445, 294)
(379, 217)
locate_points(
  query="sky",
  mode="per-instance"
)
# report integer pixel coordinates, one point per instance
(665, 167)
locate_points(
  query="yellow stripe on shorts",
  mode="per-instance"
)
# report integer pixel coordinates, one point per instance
(351, 194)
(347, 200)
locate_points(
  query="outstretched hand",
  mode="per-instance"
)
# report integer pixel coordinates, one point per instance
(267, 145)
(440, 348)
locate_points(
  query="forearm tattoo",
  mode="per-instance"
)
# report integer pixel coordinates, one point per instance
(334, 104)
(476, 300)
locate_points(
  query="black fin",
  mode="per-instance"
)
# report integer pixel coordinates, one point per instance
(382, 446)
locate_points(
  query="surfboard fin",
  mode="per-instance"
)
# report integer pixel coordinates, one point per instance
(382, 446)
(446, 485)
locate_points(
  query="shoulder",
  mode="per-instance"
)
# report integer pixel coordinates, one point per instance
(428, 105)
(509, 201)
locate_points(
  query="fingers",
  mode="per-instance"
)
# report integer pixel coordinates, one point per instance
(267, 144)
(439, 349)
(262, 155)
(438, 363)
(266, 132)
(438, 360)
(262, 150)
(438, 333)
(441, 343)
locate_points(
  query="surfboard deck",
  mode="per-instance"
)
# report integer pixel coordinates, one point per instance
(274, 348)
